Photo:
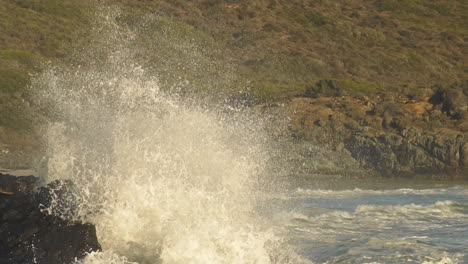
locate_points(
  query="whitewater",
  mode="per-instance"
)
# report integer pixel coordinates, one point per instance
(168, 178)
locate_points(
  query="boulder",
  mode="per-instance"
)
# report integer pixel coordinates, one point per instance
(452, 101)
(29, 235)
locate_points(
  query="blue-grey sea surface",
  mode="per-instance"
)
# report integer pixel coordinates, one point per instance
(375, 221)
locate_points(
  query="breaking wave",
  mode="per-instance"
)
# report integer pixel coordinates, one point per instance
(163, 177)
(365, 192)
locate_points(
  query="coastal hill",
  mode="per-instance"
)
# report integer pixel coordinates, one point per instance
(385, 80)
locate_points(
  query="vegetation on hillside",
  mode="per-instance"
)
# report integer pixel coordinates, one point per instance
(32, 32)
(399, 45)
(278, 49)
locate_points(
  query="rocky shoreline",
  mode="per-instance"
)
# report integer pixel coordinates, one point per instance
(411, 151)
(369, 73)
(29, 235)
(385, 135)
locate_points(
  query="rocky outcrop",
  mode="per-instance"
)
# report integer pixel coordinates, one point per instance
(10, 184)
(453, 101)
(411, 151)
(394, 136)
(28, 235)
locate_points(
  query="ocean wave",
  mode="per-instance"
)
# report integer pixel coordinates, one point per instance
(445, 209)
(163, 178)
(444, 260)
(368, 218)
(356, 192)
(106, 257)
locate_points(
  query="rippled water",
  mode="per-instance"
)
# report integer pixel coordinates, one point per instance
(393, 222)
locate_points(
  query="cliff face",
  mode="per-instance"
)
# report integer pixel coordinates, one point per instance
(412, 151)
(390, 135)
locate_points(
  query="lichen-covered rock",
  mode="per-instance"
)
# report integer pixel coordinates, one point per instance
(27, 235)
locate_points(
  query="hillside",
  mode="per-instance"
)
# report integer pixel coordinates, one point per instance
(401, 46)
(398, 45)
(386, 54)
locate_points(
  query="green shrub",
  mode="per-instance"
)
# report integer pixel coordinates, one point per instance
(21, 57)
(317, 18)
(336, 87)
(396, 5)
(13, 80)
(267, 92)
(306, 18)
(52, 7)
(43, 27)
(15, 66)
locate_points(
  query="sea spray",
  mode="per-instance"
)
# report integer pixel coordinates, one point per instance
(164, 178)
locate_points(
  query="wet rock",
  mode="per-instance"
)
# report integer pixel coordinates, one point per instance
(11, 184)
(28, 235)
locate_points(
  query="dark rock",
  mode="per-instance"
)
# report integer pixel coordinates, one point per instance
(28, 235)
(323, 87)
(11, 184)
(452, 101)
(411, 151)
(393, 136)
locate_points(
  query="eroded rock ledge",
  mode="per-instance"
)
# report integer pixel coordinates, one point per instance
(411, 151)
(391, 136)
(28, 235)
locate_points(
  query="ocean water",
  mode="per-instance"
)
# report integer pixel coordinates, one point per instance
(171, 179)
(375, 221)
(392, 225)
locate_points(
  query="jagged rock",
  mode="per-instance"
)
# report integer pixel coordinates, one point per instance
(28, 235)
(398, 136)
(411, 151)
(12, 184)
